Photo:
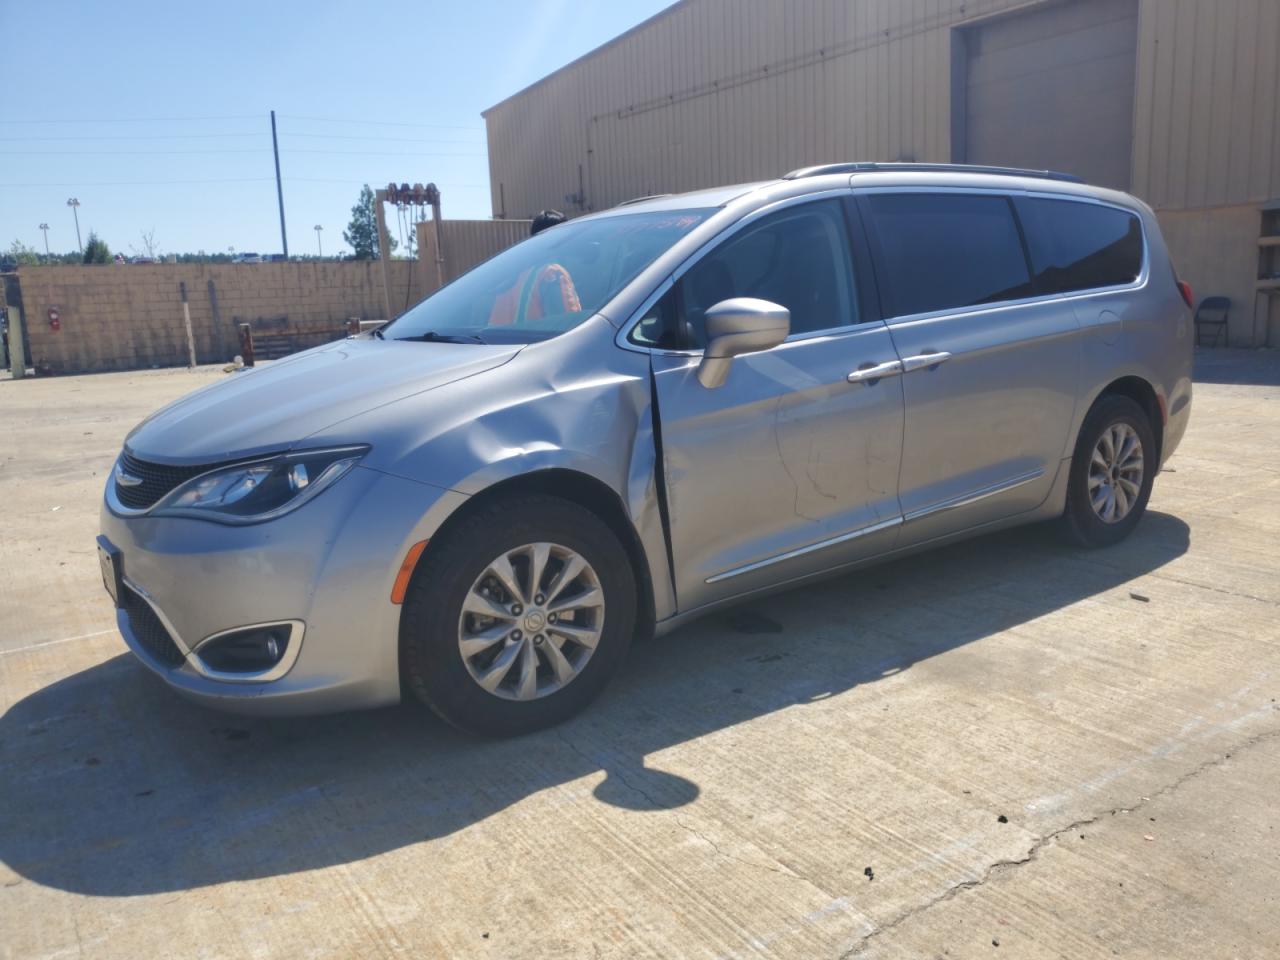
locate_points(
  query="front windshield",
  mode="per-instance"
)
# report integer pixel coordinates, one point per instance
(547, 284)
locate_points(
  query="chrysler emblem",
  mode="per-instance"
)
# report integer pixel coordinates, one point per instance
(126, 479)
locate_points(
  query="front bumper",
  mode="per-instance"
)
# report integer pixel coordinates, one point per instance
(329, 567)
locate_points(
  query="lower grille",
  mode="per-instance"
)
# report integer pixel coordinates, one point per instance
(157, 479)
(150, 632)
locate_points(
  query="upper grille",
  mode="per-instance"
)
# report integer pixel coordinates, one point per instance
(149, 631)
(157, 480)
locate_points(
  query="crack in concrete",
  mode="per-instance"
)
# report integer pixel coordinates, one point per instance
(1003, 865)
(1208, 586)
(783, 869)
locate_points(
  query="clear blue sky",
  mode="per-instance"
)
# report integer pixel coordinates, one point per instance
(198, 80)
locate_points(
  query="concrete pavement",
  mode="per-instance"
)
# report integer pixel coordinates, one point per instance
(1004, 748)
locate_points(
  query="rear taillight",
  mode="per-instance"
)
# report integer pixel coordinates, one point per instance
(1184, 288)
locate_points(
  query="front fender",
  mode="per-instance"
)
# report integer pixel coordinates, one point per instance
(576, 403)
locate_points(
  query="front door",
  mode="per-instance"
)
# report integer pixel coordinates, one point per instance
(990, 370)
(788, 467)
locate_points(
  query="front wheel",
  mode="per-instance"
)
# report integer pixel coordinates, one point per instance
(1112, 470)
(518, 616)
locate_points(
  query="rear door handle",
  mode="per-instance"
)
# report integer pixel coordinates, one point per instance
(868, 373)
(924, 360)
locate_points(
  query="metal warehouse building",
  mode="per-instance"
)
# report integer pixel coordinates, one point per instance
(1177, 101)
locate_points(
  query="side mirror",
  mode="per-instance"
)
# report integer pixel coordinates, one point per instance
(736, 326)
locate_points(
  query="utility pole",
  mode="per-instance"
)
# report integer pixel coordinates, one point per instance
(45, 228)
(275, 146)
(319, 251)
(73, 203)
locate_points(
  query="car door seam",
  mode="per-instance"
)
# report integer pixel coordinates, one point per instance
(660, 483)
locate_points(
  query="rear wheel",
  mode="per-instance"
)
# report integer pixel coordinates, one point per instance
(518, 616)
(1112, 471)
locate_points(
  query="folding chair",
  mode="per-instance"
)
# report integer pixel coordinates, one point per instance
(1212, 313)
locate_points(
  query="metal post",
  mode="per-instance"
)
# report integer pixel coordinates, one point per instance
(74, 204)
(246, 344)
(186, 322)
(433, 197)
(17, 356)
(319, 249)
(284, 239)
(45, 228)
(380, 198)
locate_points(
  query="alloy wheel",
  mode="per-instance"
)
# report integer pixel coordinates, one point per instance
(1115, 473)
(531, 621)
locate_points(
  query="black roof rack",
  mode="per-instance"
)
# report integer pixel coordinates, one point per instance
(870, 167)
(652, 196)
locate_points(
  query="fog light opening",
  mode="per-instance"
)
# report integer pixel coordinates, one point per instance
(252, 650)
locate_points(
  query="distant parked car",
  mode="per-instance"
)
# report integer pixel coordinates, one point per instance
(639, 416)
(247, 258)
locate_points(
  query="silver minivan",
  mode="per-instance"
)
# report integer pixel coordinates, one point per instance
(639, 416)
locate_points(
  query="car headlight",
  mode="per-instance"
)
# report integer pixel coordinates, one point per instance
(261, 489)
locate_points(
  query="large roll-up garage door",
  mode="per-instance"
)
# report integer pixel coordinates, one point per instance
(1053, 88)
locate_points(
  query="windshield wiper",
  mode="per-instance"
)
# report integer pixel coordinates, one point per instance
(431, 336)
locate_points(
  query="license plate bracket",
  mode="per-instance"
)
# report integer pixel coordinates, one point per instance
(111, 563)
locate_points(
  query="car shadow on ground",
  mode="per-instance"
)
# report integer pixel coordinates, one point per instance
(113, 786)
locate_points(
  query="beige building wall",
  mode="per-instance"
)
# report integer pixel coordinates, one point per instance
(467, 242)
(721, 91)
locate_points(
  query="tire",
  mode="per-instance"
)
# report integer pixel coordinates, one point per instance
(434, 624)
(1115, 417)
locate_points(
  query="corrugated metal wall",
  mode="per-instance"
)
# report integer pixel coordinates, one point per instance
(467, 243)
(1207, 113)
(717, 91)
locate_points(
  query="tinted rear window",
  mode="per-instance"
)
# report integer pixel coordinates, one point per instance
(1080, 246)
(946, 251)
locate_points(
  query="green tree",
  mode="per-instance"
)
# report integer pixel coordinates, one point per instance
(22, 255)
(96, 250)
(362, 232)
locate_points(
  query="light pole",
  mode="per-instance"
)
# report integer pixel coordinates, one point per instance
(45, 228)
(319, 250)
(73, 203)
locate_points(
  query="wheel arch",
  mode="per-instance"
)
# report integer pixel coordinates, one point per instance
(583, 490)
(1141, 392)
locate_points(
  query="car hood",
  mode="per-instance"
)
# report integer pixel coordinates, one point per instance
(274, 407)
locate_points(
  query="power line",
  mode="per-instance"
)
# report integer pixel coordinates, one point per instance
(352, 136)
(383, 123)
(162, 183)
(137, 183)
(383, 153)
(125, 153)
(241, 116)
(169, 136)
(358, 181)
(256, 150)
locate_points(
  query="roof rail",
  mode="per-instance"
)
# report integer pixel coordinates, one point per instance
(652, 196)
(870, 167)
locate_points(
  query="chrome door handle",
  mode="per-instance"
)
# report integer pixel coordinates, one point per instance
(924, 360)
(874, 371)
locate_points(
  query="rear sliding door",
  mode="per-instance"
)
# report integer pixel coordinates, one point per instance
(991, 368)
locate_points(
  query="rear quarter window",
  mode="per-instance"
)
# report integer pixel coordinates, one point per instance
(1080, 246)
(946, 251)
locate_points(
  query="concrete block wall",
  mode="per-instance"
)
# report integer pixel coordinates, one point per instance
(125, 317)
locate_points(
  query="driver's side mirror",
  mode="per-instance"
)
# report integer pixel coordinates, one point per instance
(736, 326)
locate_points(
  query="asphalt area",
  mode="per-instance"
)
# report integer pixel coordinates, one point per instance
(1003, 748)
